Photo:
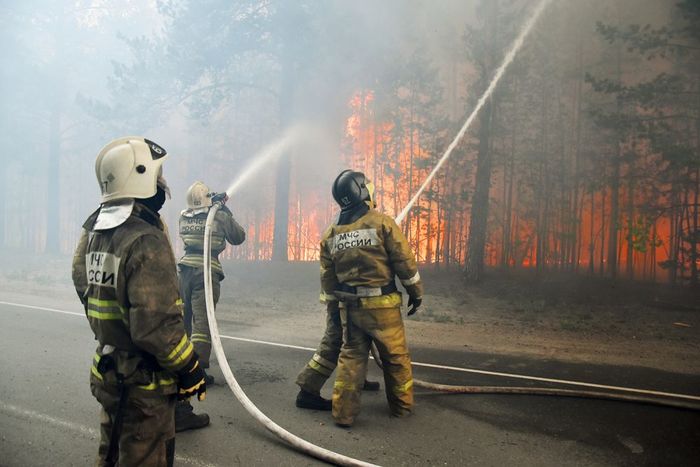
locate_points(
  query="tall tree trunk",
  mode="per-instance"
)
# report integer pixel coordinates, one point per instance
(602, 231)
(408, 231)
(577, 221)
(281, 227)
(630, 226)
(615, 182)
(280, 239)
(614, 228)
(3, 202)
(695, 237)
(591, 246)
(480, 202)
(53, 184)
(508, 182)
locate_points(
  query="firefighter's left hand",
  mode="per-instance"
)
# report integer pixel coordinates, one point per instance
(192, 382)
(413, 305)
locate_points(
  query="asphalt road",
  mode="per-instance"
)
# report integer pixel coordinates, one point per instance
(49, 418)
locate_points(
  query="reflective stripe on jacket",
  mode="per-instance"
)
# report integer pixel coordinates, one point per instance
(368, 252)
(224, 228)
(127, 280)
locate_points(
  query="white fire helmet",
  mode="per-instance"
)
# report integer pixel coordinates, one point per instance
(130, 167)
(198, 196)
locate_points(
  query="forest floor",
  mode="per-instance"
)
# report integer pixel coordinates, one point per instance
(562, 317)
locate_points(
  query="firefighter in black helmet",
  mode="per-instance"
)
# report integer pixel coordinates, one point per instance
(360, 256)
(325, 359)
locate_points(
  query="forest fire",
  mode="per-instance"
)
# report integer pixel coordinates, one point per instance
(575, 238)
(585, 170)
(397, 164)
(559, 228)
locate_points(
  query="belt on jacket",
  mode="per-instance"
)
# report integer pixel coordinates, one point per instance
(361, 291)
(193, 250)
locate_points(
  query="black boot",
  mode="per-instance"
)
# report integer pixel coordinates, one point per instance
(307, 400)
(209, 380)
(186, 419)
(371, 386)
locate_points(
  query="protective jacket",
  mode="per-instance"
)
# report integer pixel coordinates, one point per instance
(126, 279)
(368, 252)
(224, 228)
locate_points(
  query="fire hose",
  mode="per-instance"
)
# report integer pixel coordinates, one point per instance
(538, 391)
(339, 459)
(291, 439)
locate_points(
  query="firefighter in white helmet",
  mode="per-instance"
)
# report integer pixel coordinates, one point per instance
(361, 254)
(191, 229)
(125, 274)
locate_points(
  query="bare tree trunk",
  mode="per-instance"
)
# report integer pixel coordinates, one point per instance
(281, 227)
(439, 214)
(602, 231)
(614, 214)
(480, 203)
(653, 252)
(408, 231)
(53, 183)
(630, 226)
(695, 236)
(3, 198)
(508, 182)
(591, 247)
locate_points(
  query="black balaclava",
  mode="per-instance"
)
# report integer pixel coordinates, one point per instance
(155, 202)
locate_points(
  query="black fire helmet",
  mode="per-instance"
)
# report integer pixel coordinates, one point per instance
(350, 189)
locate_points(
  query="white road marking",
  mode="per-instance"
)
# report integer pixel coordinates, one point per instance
(91, 433)
(34, 307)
(430, 365)
(44, 418)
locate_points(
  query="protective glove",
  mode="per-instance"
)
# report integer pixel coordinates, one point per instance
(219, 198)
(413, 305)
(191, 381)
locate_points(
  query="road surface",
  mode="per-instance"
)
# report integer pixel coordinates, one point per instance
(49, 418)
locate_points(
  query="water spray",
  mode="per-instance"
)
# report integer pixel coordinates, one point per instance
(515, 48)
(267, 155)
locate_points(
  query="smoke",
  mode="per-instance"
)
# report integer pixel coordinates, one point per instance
(482, 100)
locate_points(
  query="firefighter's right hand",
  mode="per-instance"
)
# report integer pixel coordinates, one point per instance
(192, 381)
(219, 198)
(413, 305)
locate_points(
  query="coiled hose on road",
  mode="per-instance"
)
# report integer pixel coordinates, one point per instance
(339, 459)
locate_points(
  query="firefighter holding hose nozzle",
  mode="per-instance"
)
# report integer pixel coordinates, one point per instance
(125, 275)
(360, 256)
(191, 228)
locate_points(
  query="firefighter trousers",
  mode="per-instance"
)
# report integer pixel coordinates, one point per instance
(148, 428)
(385, 327)
(321, 366)
(193, 298)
